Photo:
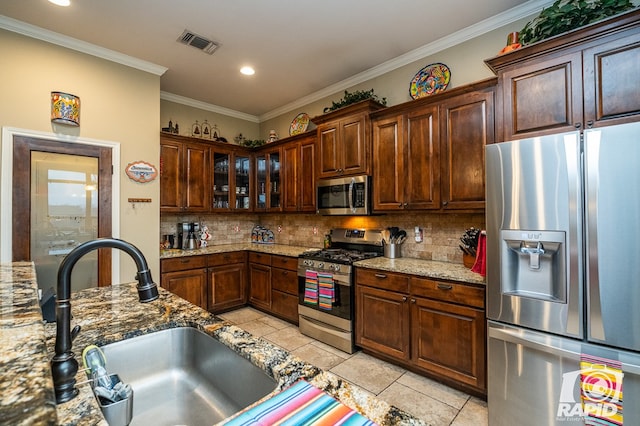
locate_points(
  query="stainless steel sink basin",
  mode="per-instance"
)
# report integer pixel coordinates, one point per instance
(184, 376)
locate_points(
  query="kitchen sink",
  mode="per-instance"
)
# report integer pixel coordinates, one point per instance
(184, 376)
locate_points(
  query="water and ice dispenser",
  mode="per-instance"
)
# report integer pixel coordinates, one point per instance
(534, 264)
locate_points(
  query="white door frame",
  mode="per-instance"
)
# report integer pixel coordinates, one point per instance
(6, 186)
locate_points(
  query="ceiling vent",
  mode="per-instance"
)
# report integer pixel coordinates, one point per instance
(198, 42)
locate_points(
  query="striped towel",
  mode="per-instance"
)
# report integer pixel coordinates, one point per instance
(311, 288)
(327, 291)
(601, 390)
(300, 404)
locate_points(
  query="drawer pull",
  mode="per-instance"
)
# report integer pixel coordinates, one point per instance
(381, 276)
(445, 286)
(185, 260)
(285, 272)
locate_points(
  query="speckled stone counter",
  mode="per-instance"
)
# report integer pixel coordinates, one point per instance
(111, 314)
(424, 268)
(279, 249)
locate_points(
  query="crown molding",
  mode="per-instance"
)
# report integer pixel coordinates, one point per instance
(32, 31)
(208, 107)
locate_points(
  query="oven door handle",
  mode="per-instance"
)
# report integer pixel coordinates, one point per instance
(351, 203)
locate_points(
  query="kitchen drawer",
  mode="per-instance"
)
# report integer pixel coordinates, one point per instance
(284, 280)
(382, 279)
(448, 292)
(226, 258)
(261, 258)
(285, 305)
(183, 263)
(285, 262)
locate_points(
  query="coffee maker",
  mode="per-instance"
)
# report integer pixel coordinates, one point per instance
(187, 235)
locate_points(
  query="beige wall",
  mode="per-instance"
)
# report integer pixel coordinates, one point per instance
(186, 116)
(118, 104)
(465, 60)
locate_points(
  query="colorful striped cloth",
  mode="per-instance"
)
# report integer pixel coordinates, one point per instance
(300, 404)
(327, 291)
(311, 288)
(601, 390)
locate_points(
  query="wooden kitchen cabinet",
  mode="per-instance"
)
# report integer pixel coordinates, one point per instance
(227, 281)
(184, 175)
(260, 280)
(344, 140)
(232, 177)
(586, 78)
(268, 180)
(429, 154)
(299, 173)
(284, 287)
(186, 277)
(466, 127)
(432, 326)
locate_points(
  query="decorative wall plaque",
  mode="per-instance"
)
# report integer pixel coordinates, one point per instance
(141, 171)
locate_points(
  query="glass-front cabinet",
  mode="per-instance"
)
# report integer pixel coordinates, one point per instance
(268, 181)
(221, 181)
(231, 180)
(242, 170)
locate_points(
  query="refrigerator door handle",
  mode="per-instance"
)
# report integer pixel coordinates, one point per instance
(596, 329)
(545, 344)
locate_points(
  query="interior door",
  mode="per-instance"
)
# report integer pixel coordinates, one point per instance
(61, 198)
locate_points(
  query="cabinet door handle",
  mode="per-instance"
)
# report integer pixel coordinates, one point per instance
(381, 276)
(413, 300)
(578, 125)
(445, 286)
(589, 123)
(285, 272)
(404, 298)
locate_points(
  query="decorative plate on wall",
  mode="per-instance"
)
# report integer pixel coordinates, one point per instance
(299, 124)
(430, 80)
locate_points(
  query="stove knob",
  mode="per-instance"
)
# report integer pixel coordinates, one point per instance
(320, 265)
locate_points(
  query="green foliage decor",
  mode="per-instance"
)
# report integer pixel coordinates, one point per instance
(354, 97)
(567, 15)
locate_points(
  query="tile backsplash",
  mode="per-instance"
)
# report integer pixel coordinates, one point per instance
(441, 232)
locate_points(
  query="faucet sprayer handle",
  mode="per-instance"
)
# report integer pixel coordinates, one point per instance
(75, 332)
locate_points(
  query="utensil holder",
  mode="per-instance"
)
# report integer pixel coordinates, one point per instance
(118, 413)
(392, 251)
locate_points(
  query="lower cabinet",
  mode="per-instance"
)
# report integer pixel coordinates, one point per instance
(284, 287)
(227, 281)
(260, 280)
(431, 326)
(186, 277)
(273, 285)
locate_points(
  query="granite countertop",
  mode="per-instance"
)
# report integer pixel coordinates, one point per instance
(110, 314)
(279, 249)
(425, 268)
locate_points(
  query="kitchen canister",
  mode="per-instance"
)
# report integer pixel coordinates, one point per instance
(392, 251)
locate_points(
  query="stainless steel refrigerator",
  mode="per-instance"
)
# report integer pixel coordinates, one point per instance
(563, 278)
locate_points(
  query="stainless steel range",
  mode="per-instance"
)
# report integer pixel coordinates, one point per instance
(326, 286)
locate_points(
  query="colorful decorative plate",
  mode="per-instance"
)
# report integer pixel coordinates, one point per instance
(430, 80)
(299, 124)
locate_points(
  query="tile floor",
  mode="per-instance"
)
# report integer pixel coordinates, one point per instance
(431, 401)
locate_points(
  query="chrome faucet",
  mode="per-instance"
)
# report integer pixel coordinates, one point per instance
(64, 366)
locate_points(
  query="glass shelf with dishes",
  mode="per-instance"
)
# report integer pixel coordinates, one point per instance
(221, 179)
(268, 181)
(242, 182)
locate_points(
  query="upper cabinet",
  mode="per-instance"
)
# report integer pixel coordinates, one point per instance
(586, 78)
(184, 175)
(268, 180)
(299, 177)
(231, 179)
(343, 146)
(429, 153)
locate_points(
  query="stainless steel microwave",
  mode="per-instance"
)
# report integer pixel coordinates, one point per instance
(344, 196)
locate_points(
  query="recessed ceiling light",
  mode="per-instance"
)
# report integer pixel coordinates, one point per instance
(247, 71)
(61, 2)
